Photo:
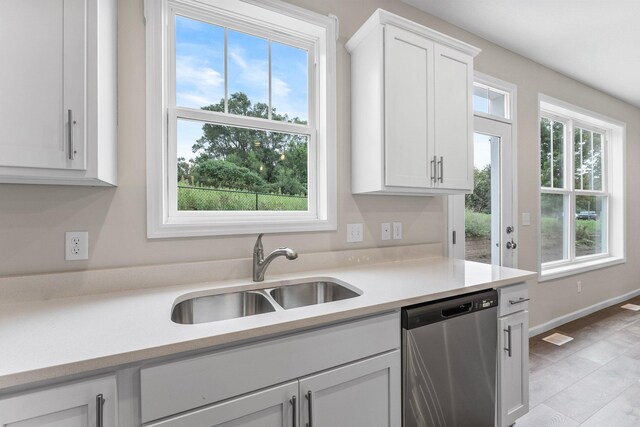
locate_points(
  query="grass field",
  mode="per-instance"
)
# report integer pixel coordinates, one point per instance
(210, 199)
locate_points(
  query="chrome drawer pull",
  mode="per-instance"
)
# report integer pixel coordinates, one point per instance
(518, 301)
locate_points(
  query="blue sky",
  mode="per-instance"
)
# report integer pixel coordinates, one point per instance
(200, 75)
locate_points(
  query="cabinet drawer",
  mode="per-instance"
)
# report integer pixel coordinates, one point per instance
(513, 299)
(179, 386)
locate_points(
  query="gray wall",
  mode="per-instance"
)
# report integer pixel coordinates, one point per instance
(34, 218)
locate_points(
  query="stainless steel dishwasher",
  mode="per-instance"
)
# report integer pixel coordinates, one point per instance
(449, 362)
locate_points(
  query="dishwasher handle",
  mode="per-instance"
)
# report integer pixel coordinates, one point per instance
(457, 310)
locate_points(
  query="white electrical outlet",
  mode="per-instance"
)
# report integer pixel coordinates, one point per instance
(355, 233)
(76, 245)
(397, 230)
(385, 231)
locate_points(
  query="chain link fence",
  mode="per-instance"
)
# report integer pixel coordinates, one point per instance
(213, 199)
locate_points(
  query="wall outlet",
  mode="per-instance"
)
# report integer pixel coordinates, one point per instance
(385, 231)
(579, 284)
(355, 233)
(76, 245)
(397, 230)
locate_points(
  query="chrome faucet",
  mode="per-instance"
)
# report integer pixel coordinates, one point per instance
(260, 264)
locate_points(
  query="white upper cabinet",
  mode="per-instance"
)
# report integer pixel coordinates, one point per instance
(58, 86)
(411, 112)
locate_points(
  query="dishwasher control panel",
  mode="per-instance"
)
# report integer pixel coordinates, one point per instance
(437, 311)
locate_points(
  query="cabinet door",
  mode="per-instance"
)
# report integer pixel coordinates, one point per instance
(453, 118)
(44, 43)
(513, 369)
(273, 407)
(365, 393)
(72, 405)
(408, 106)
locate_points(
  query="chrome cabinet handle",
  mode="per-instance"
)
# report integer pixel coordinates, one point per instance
(508, 348)
(72, 141)
(309, 396)
(441, 163)
(518, 301)
(433, 169)
(99, 408)
(293, 401)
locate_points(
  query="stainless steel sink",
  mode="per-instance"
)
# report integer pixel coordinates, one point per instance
(310, 293)
(279, 296)
(221, 307)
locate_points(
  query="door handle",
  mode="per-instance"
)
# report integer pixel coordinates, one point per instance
(309, 398)
(508, 348)
(511, 244)
(433, 169)
(295, 411)
(99, 410)
(72, 140)
(441, 163)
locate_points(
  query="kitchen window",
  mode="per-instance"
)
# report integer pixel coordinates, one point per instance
(240, 118)
(581, 189)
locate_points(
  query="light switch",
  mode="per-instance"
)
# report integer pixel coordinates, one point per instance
(526, 218)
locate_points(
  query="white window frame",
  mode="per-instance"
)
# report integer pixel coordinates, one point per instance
(278, 21)
(613, 187)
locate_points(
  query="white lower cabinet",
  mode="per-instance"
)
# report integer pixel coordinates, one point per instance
(513, 357)
(346, 374)
(90, 403)
(365, 393)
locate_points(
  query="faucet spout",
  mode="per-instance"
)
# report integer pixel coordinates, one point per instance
(260, 263)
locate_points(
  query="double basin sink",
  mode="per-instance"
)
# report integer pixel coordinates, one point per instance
(281, 296)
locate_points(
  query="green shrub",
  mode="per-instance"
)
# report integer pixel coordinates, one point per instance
(477, 224)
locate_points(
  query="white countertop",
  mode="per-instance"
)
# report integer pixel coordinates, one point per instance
(42, 340)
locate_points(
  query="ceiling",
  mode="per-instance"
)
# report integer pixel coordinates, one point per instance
(596, 42)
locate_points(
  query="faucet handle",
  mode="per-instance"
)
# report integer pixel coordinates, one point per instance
(258, 246)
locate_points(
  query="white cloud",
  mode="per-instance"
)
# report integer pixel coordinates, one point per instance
(279, 87)
(197, 83)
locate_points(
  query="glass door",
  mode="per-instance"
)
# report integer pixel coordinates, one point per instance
(481, 224)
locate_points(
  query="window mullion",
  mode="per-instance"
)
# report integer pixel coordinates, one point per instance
(270, 109)
(226, 70)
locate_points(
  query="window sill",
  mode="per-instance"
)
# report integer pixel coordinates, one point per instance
(578, 268)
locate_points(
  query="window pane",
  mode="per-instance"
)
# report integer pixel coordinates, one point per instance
(497, 103)
(553, 231)
(248, 67)
(545, 152)
(597, 161)
(586, 168)
(239, 169)
(577, 158)
(590, 225)
(557, 142)
(199, 63)
(480, 99)
(289, 83)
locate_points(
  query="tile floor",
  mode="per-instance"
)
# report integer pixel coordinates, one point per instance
(591, 381)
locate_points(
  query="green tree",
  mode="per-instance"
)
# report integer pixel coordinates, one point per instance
(551, 153)
(224, 174)
(480, 199)
(273, 156)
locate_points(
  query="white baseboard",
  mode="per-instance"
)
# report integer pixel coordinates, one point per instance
(581, 313)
